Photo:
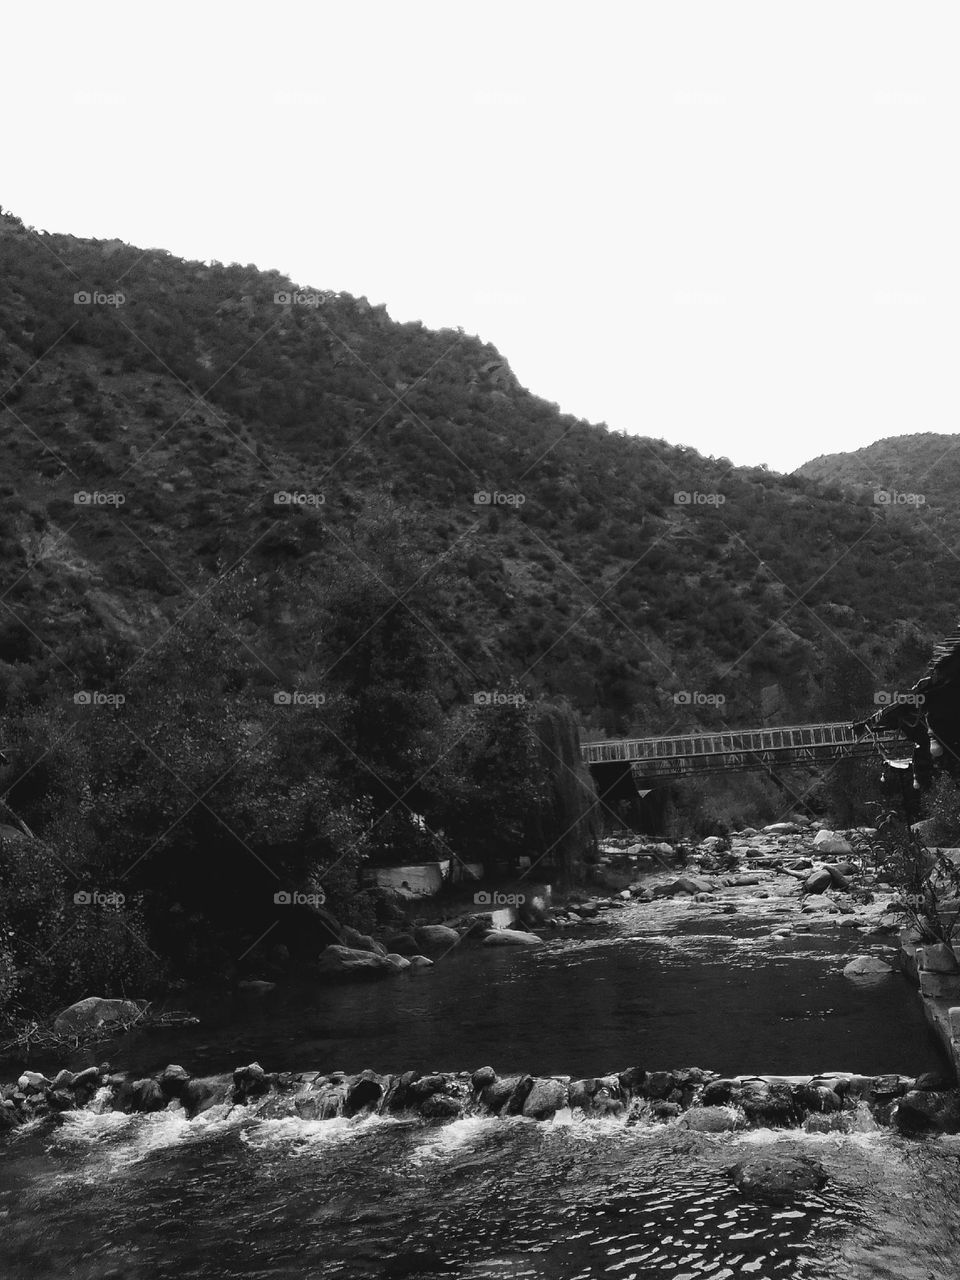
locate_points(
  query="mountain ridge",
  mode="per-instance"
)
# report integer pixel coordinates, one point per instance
(616, 571)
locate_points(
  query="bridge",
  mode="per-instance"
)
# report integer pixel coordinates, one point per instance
(738, 750)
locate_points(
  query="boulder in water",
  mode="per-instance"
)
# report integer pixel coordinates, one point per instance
(832, 842)
(545, 1099)
(403, 944)
(694, 884)
(769, 1102)
(435, 939)
(776, 1179)
(94, 1012)
(923, 1111)
(483, 1077)
(819, 902)
(866, 967)
(713, 1119)
(346, 963)
(511, 938)
(818, 881)
(361, 941)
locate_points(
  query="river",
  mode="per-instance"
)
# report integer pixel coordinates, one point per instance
(662, 985)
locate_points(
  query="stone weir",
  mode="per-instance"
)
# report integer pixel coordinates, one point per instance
(691, 1097)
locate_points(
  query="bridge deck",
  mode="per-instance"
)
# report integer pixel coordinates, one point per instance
(740, 748)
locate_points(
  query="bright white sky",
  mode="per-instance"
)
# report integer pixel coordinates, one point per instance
(734, 225)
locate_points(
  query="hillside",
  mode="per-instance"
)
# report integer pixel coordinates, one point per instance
(914, 476)
(198, 391)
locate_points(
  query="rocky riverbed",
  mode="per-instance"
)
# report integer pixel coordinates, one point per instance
(370, 1143)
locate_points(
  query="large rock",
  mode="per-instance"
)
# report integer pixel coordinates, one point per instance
(435, 939)
(922, 1111)
(94, 1012)
(780, 829)
(361, 941)
(769, 1101)
(839, 877)
(346, 963)
(832, 842)
(818, 881)
(776, 1179)
(695, 884)
(511, 938)
(713, 1119)
(817, 902)
(866, 966)
(403, 944)
(545, 1099)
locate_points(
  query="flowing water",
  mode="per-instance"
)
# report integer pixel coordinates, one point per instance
(231, 1195)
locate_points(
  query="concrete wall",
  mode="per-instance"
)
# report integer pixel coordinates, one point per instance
(423, 878)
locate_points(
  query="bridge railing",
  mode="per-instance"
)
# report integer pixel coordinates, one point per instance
(679, 746)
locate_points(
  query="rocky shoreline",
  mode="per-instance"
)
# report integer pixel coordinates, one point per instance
(823, 873)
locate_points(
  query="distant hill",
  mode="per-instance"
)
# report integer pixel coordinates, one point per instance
(914, 475)
(618, 571)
